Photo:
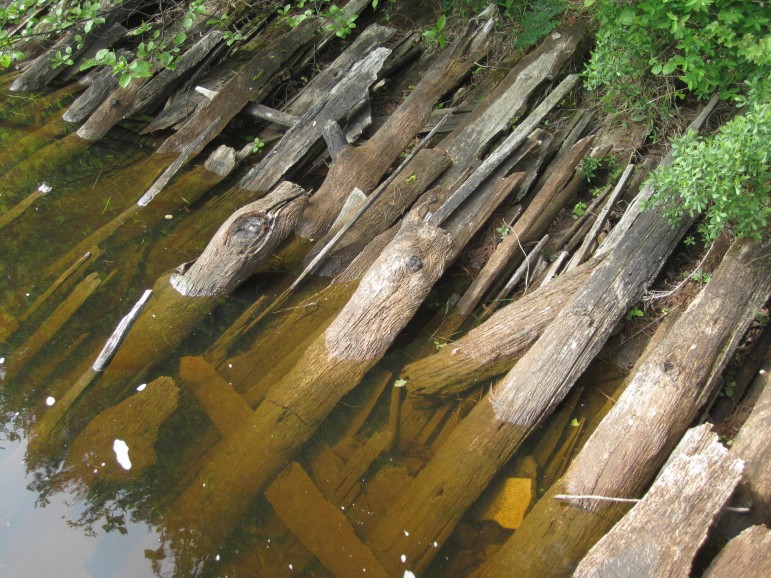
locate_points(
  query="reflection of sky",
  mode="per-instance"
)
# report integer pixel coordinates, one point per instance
(36, 542)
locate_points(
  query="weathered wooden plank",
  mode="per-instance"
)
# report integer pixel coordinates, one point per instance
(681, 505)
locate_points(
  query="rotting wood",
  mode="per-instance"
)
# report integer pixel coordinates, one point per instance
(18, 210)
(119, 334)
(41, 71)
(508, 101)
(514, 140)
(335, 363)
(681, 504)
(748, 555)
(364, 166)
(574, 129)
(308, 130)
(244, 241)
(493, 347)
(655, 409)
(524, 270)
(359, 463)
(591, 237)
(330, 538)
(253, 81)
(533, 222)
(483, 442)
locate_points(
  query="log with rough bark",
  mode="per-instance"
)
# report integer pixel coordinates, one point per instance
(681, 505)
(334, 363)
(483, 442)
(656, 408)
(364, 166)
(748, 555)
(242, 243)
(493, 347)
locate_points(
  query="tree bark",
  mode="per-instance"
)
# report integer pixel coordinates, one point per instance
(748, 555)
(493, 347)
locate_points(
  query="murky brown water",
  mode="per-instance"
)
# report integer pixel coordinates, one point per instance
(92, 465)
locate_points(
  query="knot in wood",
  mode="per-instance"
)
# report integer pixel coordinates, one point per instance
(250, 226)
(414, 264)
(114, 102)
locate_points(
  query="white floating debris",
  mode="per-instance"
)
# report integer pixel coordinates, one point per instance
(121, 450)
(406, 533)
(291, 567)
(408, 574)
(404, 558)
(2, 360)
(44, 188)
(436, 544)
(168, 217)
(217, 557)
(50, 400)
(141, 387)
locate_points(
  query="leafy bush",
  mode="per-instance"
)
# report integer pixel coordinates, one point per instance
(706, 46)
(726, 175)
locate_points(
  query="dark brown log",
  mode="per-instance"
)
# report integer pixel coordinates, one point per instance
(335, 363)
(748, 555)
(493, 347)
(486, 439)
(681, 505)
(653, 412)
(364, 166)
(243, 242)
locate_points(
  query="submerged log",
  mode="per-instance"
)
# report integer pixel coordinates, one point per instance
(335, 363)
(681, 505)
(135, 422)
(486, 439)
(364, 166)
(331, 538)
(662, 399)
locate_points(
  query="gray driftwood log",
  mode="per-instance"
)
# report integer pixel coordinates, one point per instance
(660, 536)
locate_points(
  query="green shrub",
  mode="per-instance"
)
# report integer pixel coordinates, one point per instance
(696, 46)
(725, 176)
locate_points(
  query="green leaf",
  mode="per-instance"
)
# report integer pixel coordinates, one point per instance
(124, 80)
(627, 16)
(180, 38)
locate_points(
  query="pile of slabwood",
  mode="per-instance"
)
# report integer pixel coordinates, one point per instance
(385, 229)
